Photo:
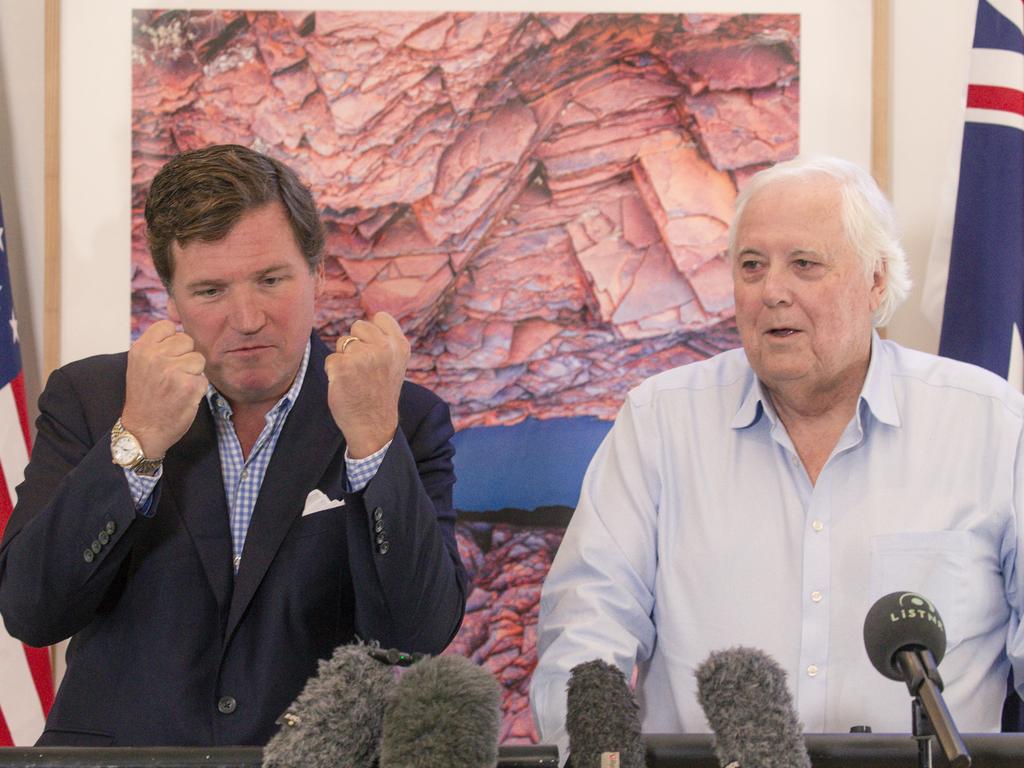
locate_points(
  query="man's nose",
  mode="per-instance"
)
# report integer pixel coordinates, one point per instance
(776, 290)
(247, 315)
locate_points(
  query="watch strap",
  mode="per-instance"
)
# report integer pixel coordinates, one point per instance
(141, 465)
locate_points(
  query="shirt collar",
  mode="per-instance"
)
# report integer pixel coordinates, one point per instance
(219, 404)
(753, 404)
(877, 393)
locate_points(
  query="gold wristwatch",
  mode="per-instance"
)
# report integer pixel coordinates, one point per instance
(125, 451)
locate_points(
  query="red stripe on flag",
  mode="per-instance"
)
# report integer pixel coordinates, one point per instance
(995, 97)
(18, 387)
(5, 501)
(5, 733)
(38, 659)
(39, 665)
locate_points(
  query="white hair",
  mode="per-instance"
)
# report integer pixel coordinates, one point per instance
(867, 218)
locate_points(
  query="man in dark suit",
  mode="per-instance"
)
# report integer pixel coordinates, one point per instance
(210, 514)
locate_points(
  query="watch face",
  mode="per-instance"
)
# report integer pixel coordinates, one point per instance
(125, 450)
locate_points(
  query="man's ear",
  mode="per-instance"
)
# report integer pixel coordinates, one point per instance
(879, 284)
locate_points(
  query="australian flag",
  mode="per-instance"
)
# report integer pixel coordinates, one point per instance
(983, 320)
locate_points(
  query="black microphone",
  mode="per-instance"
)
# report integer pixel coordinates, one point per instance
(746, 700)
(905, 640)
(336, 719)
(443, 711)
(602, 718)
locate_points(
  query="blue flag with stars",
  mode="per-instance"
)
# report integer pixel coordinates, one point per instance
(983, 319)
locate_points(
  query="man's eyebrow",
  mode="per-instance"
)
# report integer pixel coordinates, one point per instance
(271, 269)
(808, 252)
(204, 283)
(212, 282)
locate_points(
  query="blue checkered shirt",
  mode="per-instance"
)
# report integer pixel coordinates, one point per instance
(243, 477)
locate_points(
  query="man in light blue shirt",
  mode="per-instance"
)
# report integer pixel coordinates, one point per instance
(768, 496)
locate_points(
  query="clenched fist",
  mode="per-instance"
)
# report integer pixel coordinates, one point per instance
(364, 380)
(163, 387)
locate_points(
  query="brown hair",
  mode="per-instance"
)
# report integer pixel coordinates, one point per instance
(203, 193)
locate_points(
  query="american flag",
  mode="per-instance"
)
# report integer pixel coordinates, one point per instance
(983, 319)
(26, 683)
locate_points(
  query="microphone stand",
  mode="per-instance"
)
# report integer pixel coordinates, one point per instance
(929, 714)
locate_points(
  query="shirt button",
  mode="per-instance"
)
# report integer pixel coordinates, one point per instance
(795, 460)
(818, 526)
(227, 705)
(812, 671)
(816, 596)
(236, 561)
(245, 473)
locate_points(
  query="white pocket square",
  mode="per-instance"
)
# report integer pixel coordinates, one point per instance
(318, 501)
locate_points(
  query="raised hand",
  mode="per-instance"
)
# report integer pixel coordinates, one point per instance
(364, 380)
(163, 387)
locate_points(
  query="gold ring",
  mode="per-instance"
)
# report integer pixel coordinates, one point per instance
(346, 341)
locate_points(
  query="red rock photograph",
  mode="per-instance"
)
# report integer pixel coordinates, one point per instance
(541, 200)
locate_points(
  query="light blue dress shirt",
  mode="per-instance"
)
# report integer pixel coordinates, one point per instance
(698, 529)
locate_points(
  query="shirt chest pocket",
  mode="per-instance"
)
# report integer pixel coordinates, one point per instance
(935, 564)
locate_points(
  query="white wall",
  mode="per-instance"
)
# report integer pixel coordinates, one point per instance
(930, 52)
(930, 48)
(21, 172)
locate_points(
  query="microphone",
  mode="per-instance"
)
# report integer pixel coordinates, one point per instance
(905, 640)
(901, 624)
(745, 698)
(602, 718)
(336, 719)
(443, 711)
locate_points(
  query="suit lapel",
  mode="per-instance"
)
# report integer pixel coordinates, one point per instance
(308, 442)
(193, 478)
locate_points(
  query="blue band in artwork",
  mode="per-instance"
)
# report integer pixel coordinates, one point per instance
(532, 464)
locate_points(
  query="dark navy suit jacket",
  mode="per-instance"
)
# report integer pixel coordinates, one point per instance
(169, 646)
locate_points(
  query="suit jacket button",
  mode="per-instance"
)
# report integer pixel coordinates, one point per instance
(96, 547)
(378, 526)
(103, 537)
(380, 538)
(378, 513)
(383, 548)
(110, 527)
(88, 556)
(227, 705)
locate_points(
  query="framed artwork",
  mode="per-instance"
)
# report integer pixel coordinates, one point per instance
(540, 195)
